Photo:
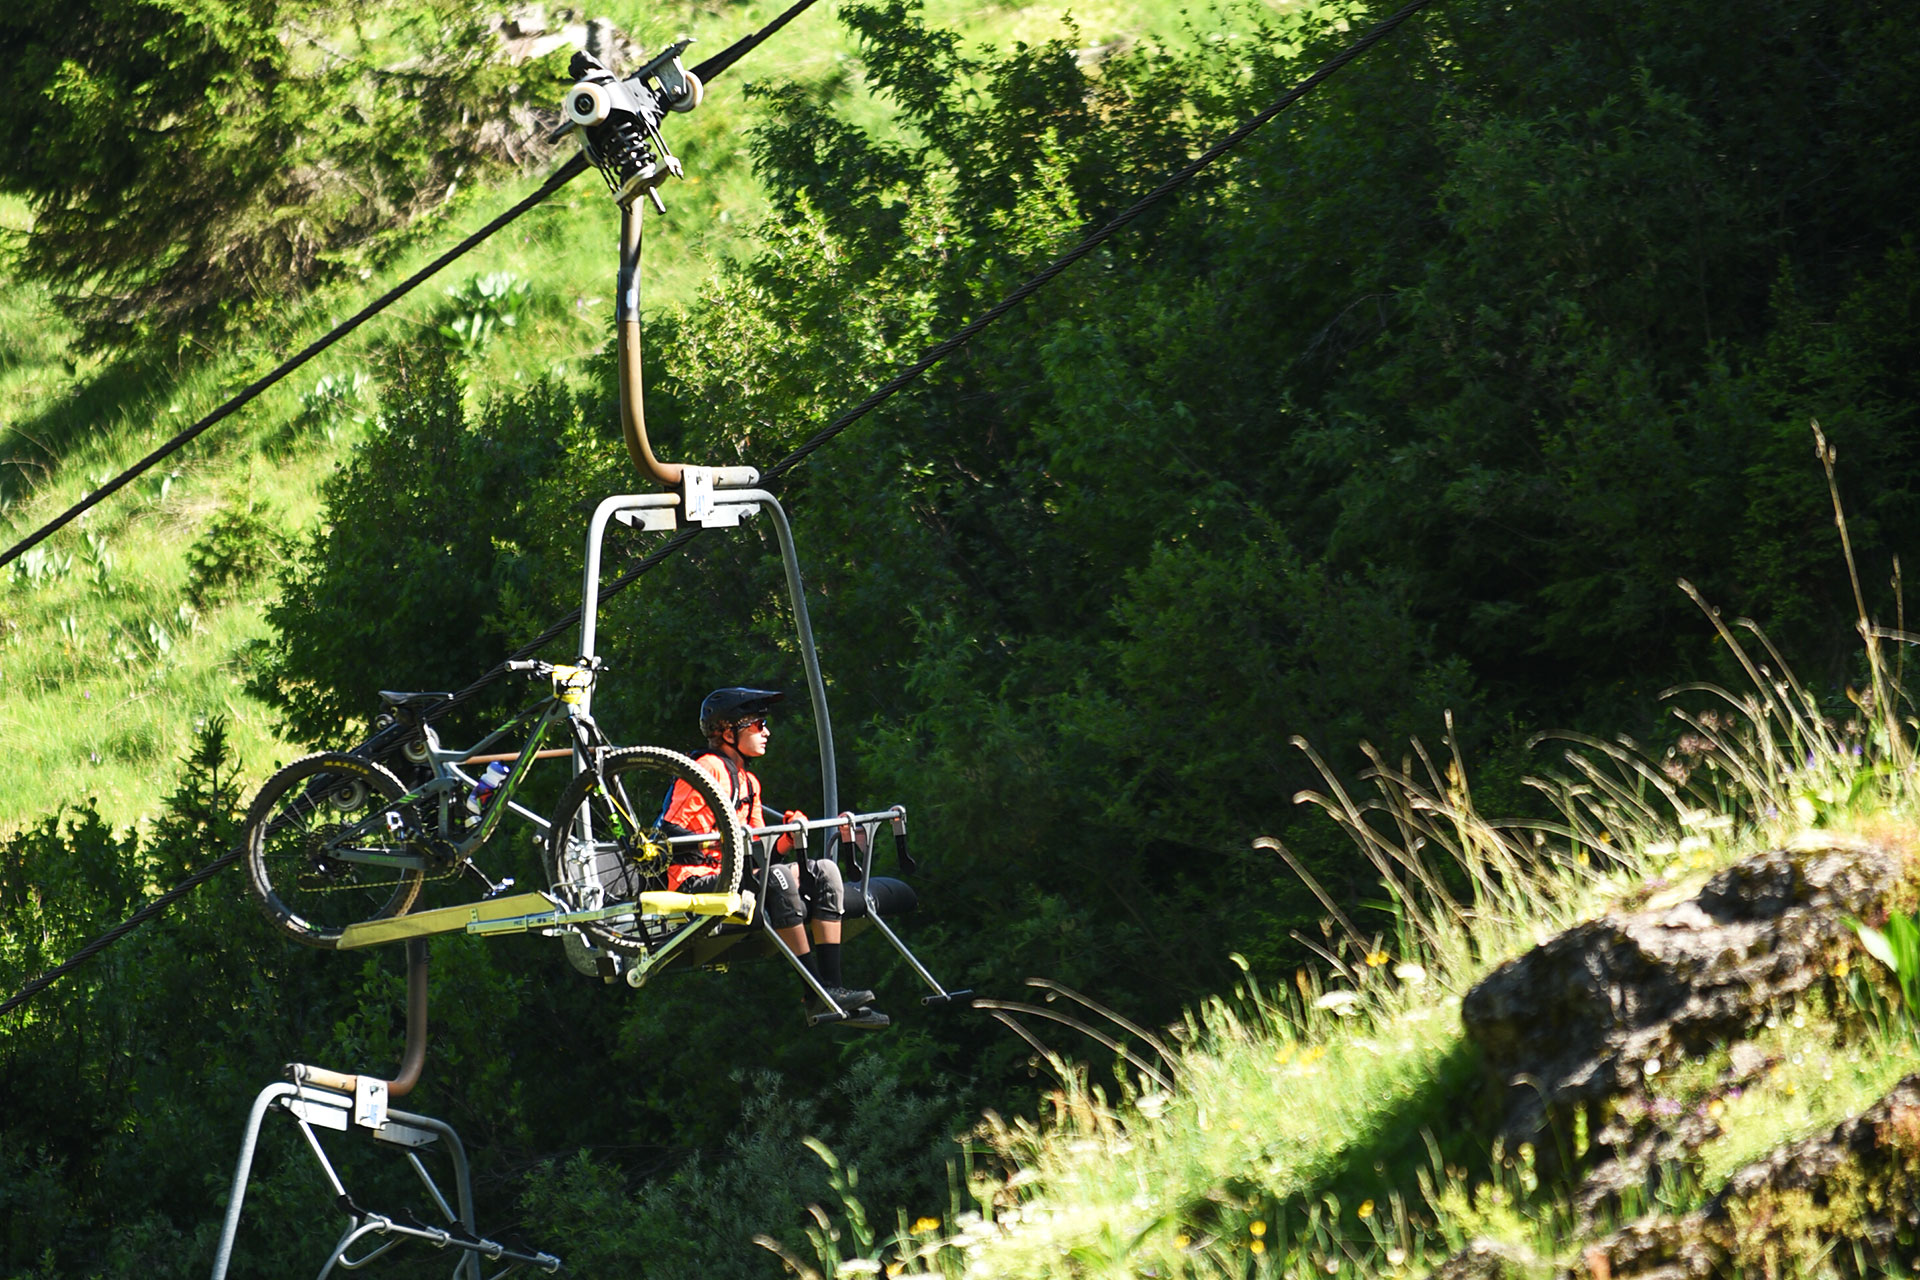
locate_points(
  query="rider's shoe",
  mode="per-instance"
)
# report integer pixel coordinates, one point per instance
(867, 1018)
(859, 1012)
(850, 998)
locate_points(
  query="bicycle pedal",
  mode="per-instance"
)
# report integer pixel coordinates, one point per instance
(497, 889)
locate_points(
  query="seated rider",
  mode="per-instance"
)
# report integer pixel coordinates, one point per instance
(734, 721)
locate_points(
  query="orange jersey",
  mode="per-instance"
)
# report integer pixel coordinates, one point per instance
(685, 809)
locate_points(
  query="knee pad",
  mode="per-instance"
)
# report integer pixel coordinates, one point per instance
(783, 906)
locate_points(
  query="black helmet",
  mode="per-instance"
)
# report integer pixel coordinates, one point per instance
(723, 707)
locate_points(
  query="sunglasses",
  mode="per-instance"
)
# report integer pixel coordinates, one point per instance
(755, 722)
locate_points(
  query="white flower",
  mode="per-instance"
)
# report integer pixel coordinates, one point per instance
(858, 1267)
(1340, 1002)
(1410, 973)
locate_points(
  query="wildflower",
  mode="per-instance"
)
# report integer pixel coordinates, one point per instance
(1410, 973)
(1182, 1240)
(1258, 1246)
(1340, 1002)
(1257, 1227)
(1314, 1054)
(1366, 1209)
(1283, 1054)
(1651, 1066)
(1841, 967)
(922, 1226)
(1377, 958)
(1396, 1256)
(857, 1267)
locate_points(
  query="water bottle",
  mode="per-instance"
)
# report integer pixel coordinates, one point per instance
(482, 794)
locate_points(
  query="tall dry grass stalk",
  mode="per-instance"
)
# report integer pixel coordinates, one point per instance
(1220, 1155)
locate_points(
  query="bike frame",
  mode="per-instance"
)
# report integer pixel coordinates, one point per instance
(451, 782)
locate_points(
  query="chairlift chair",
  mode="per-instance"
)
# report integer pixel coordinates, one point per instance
(619, 126)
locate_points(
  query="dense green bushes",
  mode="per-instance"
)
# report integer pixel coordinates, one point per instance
(191, 163)
(1422, 401)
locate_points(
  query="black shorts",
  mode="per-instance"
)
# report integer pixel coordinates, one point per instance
(810, 889)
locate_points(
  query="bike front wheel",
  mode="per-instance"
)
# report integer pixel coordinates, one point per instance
(330, 844)
(607, 845)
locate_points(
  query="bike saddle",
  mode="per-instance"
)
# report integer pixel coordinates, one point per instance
(411, 701)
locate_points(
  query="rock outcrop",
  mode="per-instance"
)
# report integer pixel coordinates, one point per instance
(1574, 1027)
(1858, 1183)
(1576, 1032)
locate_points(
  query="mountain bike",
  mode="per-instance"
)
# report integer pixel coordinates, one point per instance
(336, 840)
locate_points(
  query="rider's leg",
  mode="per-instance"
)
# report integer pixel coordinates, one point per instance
(826, 903)
(787, 913)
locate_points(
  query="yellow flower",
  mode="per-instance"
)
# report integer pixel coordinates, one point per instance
(1284, 1054)
(1840, 967)
(921, 1226)
(1259, 1246)
(1377, 958)
(1182, 1240)
(1715, 1107)
(1258, 1228)
(1366, 1208)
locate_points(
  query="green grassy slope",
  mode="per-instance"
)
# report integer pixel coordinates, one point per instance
(105, 663)
(1338, 1126)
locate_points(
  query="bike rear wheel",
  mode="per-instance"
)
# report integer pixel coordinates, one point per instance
(607, 846)
(321, 838)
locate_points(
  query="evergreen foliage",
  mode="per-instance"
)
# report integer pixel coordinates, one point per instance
(1421, 402)
(189, 164)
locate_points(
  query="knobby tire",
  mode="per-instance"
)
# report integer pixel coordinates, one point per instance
(627, 853)
(303, 819)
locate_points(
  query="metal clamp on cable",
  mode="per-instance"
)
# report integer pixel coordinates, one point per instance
(705, 498)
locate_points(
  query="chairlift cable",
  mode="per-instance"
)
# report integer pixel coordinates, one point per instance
(572, 169)
(1120, 220)
(933, 356)
(560, 177)
(121, 930)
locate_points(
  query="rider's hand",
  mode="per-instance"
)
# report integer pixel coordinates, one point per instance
(784, 845)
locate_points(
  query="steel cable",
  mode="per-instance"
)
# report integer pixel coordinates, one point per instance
(934, 355)
(557, 179)
(566, 173)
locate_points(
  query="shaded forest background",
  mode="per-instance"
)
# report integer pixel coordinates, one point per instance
(1420, 403)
